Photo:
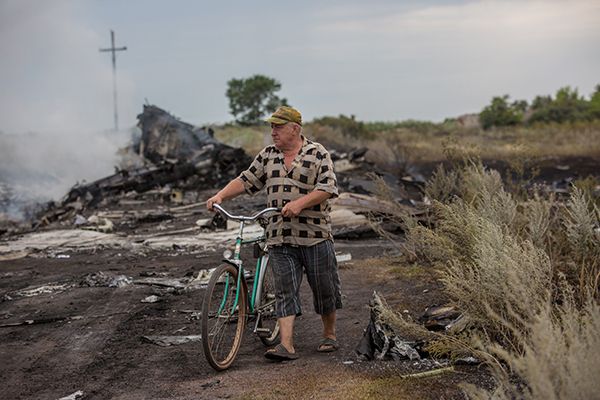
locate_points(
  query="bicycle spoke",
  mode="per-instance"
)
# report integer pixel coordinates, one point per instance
(220, 327)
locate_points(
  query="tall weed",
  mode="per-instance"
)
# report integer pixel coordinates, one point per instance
(496, 275)
(558, 358)
(502, 261)
(581, 225)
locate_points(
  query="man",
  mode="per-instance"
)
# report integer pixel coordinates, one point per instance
(298, 176)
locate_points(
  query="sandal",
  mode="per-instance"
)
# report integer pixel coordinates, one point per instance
(327, 345)
(280, 353)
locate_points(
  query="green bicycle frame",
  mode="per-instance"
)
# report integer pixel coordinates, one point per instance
(237, 262)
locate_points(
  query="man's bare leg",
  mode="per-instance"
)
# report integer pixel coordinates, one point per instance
(286, 332)
(329, 325)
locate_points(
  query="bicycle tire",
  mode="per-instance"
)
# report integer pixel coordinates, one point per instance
(268, 318)
(223, 326)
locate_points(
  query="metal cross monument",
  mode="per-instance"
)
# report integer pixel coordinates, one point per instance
(114, 49)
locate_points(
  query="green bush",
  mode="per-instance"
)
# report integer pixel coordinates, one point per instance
(594, 104)
(567, 106)
(501, 113)
(348, 126)
(410, 124)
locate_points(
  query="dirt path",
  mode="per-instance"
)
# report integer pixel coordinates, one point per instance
(94, 343)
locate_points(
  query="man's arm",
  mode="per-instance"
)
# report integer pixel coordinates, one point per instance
(231, 190)
(293, 208)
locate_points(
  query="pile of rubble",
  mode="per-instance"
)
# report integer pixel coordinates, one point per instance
(174, 155)
(392, 336)
(163, 172)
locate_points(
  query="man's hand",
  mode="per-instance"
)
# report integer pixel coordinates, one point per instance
(232, 189)
(216, 199)
(292, 209)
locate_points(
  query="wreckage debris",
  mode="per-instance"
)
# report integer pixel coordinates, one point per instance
(353, 215)
(174, 159)
(172, 152)
(438, 318)
(32, 291)
(368, 204)
(198, 280)
(102, 279)
(380, 340)
(426, 374)
(192, 315)
(343, 257)
(151, 299)
(37, 321)
(78, 240)
(210, 384)
(166, 341)
(74, 396)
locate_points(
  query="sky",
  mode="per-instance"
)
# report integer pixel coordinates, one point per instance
(377, 59)
(380, 60)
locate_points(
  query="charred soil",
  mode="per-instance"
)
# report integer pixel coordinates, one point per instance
(91, 338)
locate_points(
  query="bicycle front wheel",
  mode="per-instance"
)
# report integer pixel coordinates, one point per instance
(223, 320)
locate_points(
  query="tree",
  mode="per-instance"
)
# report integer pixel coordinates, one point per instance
(594, 106)
(566, 106)
(252, 98)
(501, 113)
(348, 126)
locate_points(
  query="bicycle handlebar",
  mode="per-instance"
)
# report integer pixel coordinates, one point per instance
(242, 217)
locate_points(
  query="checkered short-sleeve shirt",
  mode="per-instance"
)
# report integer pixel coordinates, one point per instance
(312, 169)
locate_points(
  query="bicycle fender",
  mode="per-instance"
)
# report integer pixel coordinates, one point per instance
(225, 260)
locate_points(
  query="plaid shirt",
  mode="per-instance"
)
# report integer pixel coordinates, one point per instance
(312, 169)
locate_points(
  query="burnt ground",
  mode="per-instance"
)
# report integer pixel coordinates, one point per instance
(99, 349)
(89, 339)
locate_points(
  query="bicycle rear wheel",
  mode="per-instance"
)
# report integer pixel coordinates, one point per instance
(266, 310)
(223, 322)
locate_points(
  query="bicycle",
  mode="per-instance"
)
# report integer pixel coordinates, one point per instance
(228, 304)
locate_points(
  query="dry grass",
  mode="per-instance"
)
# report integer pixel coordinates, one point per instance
(308, 383)
(580, 220)
(502, 260)
(558, 359)
(381, 269)
(494, 273)
(408, 271)
(340, 383)
(402, 144)
(443, 184)
(515, 145)
(251, 138)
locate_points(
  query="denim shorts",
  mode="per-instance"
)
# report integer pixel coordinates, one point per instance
(318, 261)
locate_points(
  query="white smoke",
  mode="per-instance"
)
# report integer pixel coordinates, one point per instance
(37, 167)
(56, 101)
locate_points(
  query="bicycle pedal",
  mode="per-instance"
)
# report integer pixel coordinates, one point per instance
(263, 332)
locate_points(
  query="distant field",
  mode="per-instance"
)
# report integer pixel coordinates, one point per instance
(252, 138)
(416, 142)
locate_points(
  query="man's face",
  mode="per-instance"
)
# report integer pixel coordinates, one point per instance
(284, 136)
